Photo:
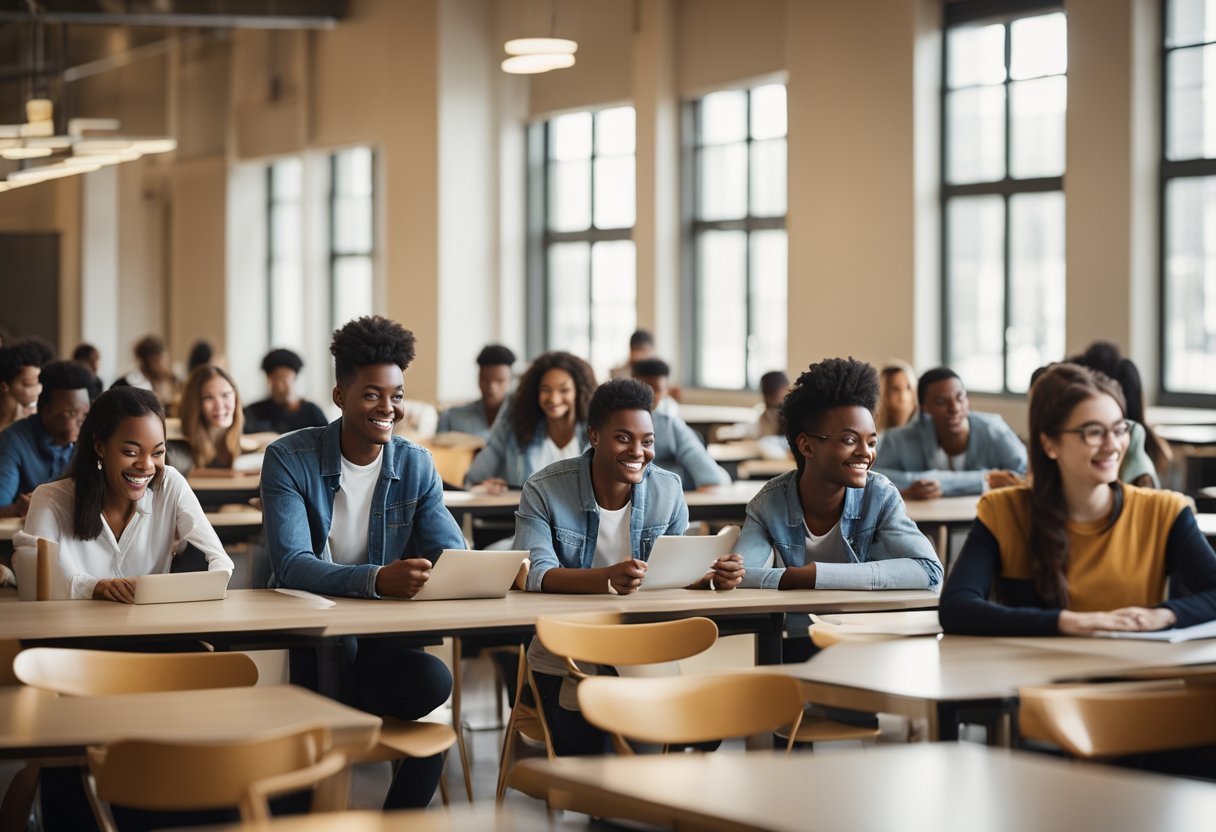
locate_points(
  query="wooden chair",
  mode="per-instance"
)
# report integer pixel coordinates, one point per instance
(1094, 721)
(107, 673)
(166, 776)
(682, 710)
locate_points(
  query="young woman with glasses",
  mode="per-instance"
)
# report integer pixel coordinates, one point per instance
(1077, 551)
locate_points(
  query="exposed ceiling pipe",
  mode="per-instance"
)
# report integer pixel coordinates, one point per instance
(223, 14)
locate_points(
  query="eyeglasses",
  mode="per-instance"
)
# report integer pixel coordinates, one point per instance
(1094, 434)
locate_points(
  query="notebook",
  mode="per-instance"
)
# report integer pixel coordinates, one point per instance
(677, 561)
(1198, 631)
(175, 587)
(461, 573)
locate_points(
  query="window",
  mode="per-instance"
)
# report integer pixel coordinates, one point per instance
(738, 236)
(285, 187)
(1003, 107)
(352, 235)
(589, 264)
(1188, 202)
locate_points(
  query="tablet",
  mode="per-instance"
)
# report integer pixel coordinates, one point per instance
(677, 561)
(175, 587)
(463, 573)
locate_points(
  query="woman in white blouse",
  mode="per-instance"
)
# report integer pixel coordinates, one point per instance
(120, 512)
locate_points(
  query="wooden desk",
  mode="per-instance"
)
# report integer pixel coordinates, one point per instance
(918, 788)
(238, 488)
(1160, 416)
(34, 722)
(938, 517)
(704, 416)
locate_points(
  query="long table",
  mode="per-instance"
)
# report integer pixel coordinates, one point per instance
(918, 788)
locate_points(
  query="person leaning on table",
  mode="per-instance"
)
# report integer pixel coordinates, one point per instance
(1078, 551)
(589, 524)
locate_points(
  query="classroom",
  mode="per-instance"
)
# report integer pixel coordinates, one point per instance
(521, 414)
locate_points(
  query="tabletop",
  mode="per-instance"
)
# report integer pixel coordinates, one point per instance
(1160, 416)
(924, 787)
(945, 510)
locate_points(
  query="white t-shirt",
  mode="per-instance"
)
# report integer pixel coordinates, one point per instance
(612, 544)
(550, 453)
(352, 511)
(942, 462)
(823, 547)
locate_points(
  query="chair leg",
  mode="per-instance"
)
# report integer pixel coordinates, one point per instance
(101, 812)
(508, 735)
(443, 784)
(19, 799)
(457, 719)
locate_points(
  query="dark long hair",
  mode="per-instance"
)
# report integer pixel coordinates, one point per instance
(106, 413)
(194, 427)
(1053, 397)
(526, 414)
(1105, 357)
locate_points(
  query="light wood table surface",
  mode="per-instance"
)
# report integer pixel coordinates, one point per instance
(707, 415)
(479, 818)
(940, 516)
(236, 488)
(917, 788)
(34, 722)
(1160, 416)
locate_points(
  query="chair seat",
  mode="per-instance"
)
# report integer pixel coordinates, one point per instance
(822, 729)
(402, 738)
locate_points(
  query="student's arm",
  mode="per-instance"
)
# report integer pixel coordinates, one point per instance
(193, 527)
(1137, 467)
(755, 545)
(52, 522)
(964, 606)
(695, 459)
(1007, 452)
(1189, 556)
(444, 425)
(289, 540)
(10, 480)
(899, 557)
(490, 461)
(435, 529)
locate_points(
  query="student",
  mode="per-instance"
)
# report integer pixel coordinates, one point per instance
(19, 385)
(38, 448)
(120, 512)
(154, 372)
(677, 447)
(641, 348)
(547, 422)
(1078, 551)
(211, 423)
(896, 396)
(283, 411)
(201, 354)
(88, 356)
(494, 381)
(774, 386)
(656, 374)
(950, 451)
(589, 524)
(350, 509)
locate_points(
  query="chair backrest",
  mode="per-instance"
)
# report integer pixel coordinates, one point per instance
(602, 640)
(103, 672)
(9, 648)
(690, 709)
(1110, 720)
(164, 776)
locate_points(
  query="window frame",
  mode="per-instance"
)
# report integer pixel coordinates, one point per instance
(966, 13)
(272, 204)
(333, 255)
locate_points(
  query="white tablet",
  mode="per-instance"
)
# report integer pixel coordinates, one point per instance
(175, 587)
(677, 561)
(461, 573)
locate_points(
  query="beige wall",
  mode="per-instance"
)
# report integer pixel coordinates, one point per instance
(719, 43)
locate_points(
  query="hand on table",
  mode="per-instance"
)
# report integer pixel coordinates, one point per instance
(492, 486)
(1125, 619)
(998, 478)
(121, 590)
(923, 490)
(727, 572)
(626, 577)
(403, 578)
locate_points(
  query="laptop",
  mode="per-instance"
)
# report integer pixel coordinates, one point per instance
(175, 587)
(463, 573)
(677, 561)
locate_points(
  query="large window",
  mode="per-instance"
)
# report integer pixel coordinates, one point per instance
(589, 263)
(1003, 108)
(352, 235)
(738, 236)
(285, 252)
(1188, 202)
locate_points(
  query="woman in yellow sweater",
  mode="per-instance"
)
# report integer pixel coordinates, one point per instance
(1077, 551)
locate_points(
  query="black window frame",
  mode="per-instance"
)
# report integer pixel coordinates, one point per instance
(333, 254)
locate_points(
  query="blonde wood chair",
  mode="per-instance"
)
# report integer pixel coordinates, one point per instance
(106, 673)
(165, 776)
(682, 710)
(526, 724)
(1094, 721)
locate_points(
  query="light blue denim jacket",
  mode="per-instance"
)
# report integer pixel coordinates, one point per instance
(504, 457)
(558, 520)
(678, 449)
(905, 454)
(470, 418)
(884, 548)
(302, 472)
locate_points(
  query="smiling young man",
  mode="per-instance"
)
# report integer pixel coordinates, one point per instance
(494, 383)
(589, 524)
(950, 450)
(350, 509)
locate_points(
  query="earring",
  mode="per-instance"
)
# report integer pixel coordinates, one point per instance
(99, 465)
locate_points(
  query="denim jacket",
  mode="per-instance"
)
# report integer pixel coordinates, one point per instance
(504, 457)
(302, 472)
(906, 454)
(29, 458)
(884, 549)
(470, 418)
(678, 449)
(558, 520)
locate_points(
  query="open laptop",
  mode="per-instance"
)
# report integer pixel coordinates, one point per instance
(677, 561)
(460, 573)
(175, 587)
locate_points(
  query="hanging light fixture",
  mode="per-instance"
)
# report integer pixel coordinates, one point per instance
(531, 56)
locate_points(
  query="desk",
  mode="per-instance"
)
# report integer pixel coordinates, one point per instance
(33, 722)
(941, 516)
(703, 417)
(920, 788)
(238, 488)
(1160, 416)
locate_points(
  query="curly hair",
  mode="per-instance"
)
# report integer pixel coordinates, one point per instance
(62, 375)
(526, 414)
(494, 355)
(370, 340)
(15, 357)
(651, 368)
(282, 358)
(1057, 391)
(832, 383)
(618, 394)
(194, 425)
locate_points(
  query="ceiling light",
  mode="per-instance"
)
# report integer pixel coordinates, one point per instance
(535, 64)
(540, 46)
(533, 55)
